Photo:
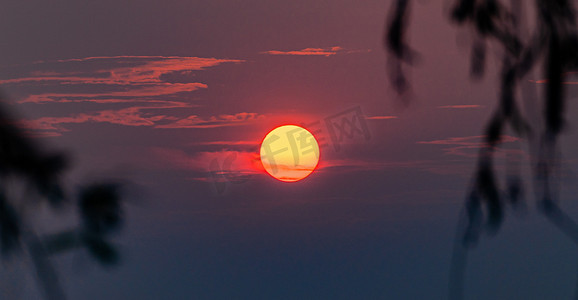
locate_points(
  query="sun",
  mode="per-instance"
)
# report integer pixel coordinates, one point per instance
(289, 153)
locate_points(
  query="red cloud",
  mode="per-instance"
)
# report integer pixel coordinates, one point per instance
(160, 89)
(230, 143)
(130, 76)
(566, 74)
(461, 106)
(240, 162)
(195, 121)
(131, 116)
(135, 116)
(308, 51)
(121, 79)
(143, 69)
(229, 165)
(381, 118)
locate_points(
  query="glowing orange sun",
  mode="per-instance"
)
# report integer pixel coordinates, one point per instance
(289, 153)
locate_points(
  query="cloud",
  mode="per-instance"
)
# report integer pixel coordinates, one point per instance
(131, 116)
(566, 74)
(41, 134)
(229, 143)
(195, 121)
(546, 81)
(146, 83)
(239, 145)
(461, 106)
(357, 165)
(468, 140)
(160, 89)
(126, 69)
(461, 146)
(309, 51)
(380, 117)
(136, 116)
(117, 76)
(223, 165)
(240, 165)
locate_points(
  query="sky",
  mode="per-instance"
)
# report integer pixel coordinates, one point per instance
(176, 96)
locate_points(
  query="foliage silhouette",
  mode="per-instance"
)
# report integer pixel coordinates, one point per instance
(100, 208)
(553, 43)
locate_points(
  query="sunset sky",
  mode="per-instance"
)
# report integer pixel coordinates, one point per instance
(176, 97)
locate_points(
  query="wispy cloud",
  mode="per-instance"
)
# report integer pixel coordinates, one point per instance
(461, 106)
(195, 121)
(314, 51)
(215, 165)
(380, 117)
(566, 74)
(229, 143)
(135, 116)
(153, 90)
(230, 165)
(463, 146)
(118, 76)
(131, 116)
(542, 81)
(147, 83)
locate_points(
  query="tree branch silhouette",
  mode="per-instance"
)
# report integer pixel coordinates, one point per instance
(99, 207)
(554, 44)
